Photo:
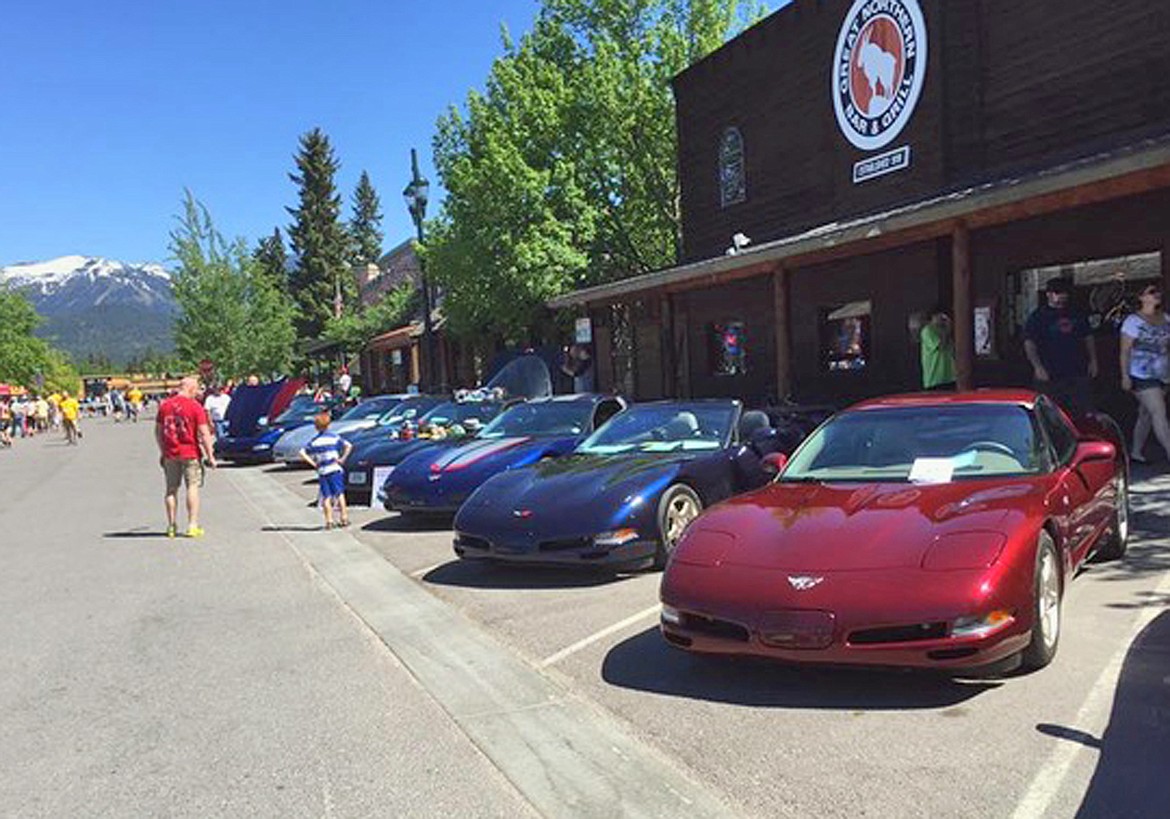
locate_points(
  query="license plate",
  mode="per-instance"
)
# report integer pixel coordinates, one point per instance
(357, 478)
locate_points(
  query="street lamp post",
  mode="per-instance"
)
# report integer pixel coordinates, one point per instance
(416, 194)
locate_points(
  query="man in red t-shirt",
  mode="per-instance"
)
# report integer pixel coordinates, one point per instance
(181, 429)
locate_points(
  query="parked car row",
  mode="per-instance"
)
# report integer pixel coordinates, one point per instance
(933, 531)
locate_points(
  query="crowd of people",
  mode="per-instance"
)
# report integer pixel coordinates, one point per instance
(27, 416)
(1061, 350)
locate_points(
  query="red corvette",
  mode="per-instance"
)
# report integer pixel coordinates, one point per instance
(931, 531)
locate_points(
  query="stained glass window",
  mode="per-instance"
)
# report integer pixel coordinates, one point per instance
(732, 177)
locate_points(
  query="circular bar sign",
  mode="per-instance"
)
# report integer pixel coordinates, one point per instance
(879, 69)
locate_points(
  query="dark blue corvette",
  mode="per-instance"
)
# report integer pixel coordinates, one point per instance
(439, 481)
(624, 496)
(257, 447)
(372, 461)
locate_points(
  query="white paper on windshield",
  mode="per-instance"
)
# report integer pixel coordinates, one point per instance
(932, 470)
(381, 473)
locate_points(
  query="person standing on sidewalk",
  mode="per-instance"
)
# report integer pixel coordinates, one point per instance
(938, 351)
(181, 429)
(1145, 369)
(1059, 345)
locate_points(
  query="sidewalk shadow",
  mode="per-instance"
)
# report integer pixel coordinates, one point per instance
(410, 523)
(1132, 778)
(320, 527)
(645, 662)
(481, 574)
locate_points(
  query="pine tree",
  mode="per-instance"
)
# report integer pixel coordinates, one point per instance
(273, 258)
(320, 241)
(365, 227)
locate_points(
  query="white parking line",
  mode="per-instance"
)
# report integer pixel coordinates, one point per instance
(1092, 718)
(423, 572)
(552, 659)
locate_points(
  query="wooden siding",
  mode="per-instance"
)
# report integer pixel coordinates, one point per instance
(1011, 87)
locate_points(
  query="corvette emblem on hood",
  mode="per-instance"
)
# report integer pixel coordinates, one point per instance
(804, 582)
(522, 513)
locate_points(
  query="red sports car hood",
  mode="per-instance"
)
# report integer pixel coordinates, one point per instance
(848, 527)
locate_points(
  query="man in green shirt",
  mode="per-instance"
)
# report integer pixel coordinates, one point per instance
(938, 352)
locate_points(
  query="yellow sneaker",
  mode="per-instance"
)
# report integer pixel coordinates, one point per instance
(194, 531)
(172, 531)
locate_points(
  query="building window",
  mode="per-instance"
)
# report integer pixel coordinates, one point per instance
(729, 348)
(845, 336)
(732, 177)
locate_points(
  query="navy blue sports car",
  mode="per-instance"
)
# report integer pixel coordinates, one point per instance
(439, 481)
(257, 447)
(449, 423)
(624, 497)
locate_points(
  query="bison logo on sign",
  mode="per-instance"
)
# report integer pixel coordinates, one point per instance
(879, 70)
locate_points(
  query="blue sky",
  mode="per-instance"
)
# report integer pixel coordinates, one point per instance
(108, 110)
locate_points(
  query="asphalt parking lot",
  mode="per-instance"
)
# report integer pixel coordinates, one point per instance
(779, 741)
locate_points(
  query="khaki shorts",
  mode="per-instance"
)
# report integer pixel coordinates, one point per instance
(177, 472)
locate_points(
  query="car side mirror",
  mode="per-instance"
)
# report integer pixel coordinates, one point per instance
(1093, 452)
(774, 462)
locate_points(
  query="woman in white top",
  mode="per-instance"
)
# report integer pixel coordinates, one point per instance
(1145, 369)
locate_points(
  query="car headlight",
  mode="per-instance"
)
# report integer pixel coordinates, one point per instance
(618, 537)
(964, 550)
(671, 615)
(261, 447)
(982, 625)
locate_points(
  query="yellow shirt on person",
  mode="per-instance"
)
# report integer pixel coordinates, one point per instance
(134, 396)
(70, 409)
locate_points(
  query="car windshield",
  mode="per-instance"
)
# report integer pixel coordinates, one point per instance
(543, 418)
(933, 444)
(461, 412)
(300, 411)
(408, 410)
(663, 428)
(369, 409)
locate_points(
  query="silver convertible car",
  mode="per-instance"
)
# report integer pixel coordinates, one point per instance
(364, 415)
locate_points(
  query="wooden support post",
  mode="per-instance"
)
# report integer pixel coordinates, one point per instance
(1166, 268)
(782, 321)
(964, 318)
(666, 346)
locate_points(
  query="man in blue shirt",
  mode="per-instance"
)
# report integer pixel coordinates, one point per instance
(1059, 344)
(327, 453)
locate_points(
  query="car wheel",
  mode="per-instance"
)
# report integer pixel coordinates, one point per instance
(678, 507)
(1047, 597)
(1117, 538)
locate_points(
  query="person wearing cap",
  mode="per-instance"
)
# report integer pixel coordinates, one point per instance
(1059, 345)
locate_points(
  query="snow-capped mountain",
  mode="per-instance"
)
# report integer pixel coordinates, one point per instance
(95, 306)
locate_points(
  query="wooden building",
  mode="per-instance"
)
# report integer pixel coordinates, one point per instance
(847, 164)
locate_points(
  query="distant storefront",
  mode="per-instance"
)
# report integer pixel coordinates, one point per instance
(845, 166)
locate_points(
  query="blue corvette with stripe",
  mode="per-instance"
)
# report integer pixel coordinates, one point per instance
(439, 481)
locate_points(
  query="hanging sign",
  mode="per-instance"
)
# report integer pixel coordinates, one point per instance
(583, 331)
(879, 70)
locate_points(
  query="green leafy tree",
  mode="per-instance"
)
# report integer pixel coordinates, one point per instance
(516, 223)
(562, 172)
(229, 309)
(320, 242)
(366, 226)
(272, 257)
(352, 331)
(24, 358)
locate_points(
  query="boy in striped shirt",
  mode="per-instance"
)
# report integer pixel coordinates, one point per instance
(327, 453)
